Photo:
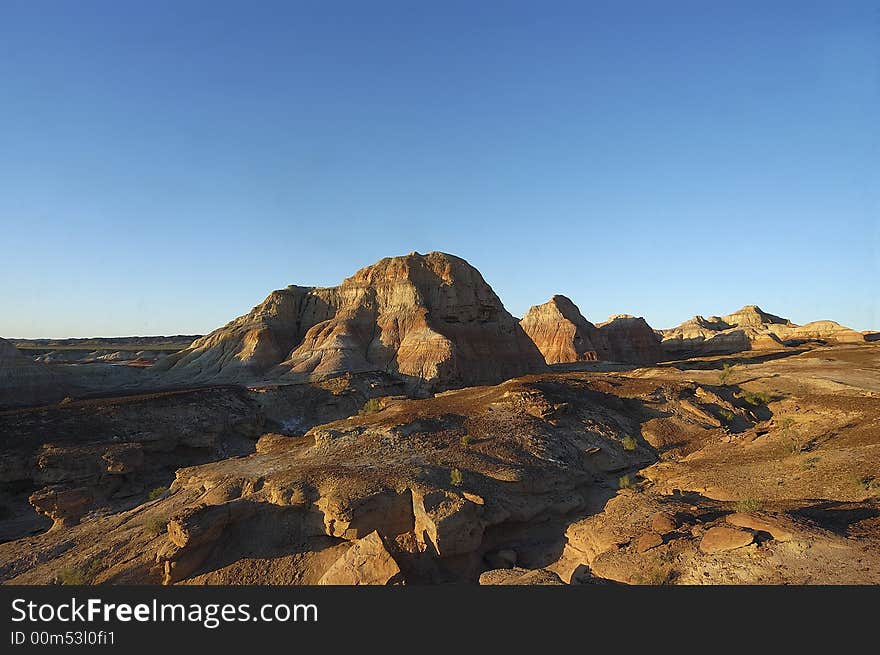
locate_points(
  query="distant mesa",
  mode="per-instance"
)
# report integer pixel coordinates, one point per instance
(564, 336)
(430, 319)
(132, 351)
(750, 328)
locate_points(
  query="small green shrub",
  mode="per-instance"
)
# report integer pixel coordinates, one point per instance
(625, 482)
(726, 374)
(371, 407)
(757, 399)
(79, 575)
(790, 437)
(71, 575)
(629, 443)
(455, 477)
(155, 493)
(727, 415)
(747, 505)
(155, 525)
(865, 482)
(810, 462)
(465, 441)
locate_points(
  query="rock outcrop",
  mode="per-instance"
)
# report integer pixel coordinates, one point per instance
(561, 333)
(367, 562)
(564, 336)
(24, 381)
(430, 319)
(750, 328)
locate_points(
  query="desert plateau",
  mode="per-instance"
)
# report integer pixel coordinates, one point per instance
(403, 428)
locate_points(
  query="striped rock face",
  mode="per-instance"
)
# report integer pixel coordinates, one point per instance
(430, 319)
(564, 336)
(749, 328)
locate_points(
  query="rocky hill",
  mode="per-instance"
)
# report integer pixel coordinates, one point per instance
(561, 333)
(655, 476)
(564, 336)
(429, 319)
(750, 328)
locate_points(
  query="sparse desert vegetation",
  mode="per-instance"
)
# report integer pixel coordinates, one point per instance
(155, 525)
(79, 575)
(747, 505)
(158, 492)
(372, 406)
(726, 375)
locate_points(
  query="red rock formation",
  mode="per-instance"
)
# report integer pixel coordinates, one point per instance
(561, 333)
(564, 336)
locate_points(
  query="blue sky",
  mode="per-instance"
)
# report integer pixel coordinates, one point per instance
(166, 164)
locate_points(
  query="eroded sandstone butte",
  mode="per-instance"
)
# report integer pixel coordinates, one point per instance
(749, 328)
(561, 333)
(430, 319)
(564, 336)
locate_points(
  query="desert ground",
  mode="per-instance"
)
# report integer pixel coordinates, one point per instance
(403, 428)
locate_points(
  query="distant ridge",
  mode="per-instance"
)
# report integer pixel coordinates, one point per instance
(749, 328)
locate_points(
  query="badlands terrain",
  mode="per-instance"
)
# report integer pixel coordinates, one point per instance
(404, 428)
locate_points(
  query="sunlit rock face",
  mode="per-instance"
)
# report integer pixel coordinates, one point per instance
(428, 318)
(564, 336)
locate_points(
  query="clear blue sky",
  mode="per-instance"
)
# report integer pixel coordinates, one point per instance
(164, 165)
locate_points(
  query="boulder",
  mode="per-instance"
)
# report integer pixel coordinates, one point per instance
(447, 524)
(662, 523)
(720, 539)
(759, 524)
(518, 576)
(367, 562)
